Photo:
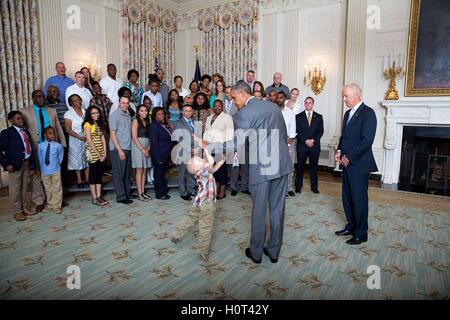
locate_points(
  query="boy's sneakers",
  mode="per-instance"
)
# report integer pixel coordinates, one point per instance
(58, 210)
(46, 210)
(175, 240)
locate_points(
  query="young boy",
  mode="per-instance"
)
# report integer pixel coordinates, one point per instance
(203, 207)
(17, 158)
(51, 155)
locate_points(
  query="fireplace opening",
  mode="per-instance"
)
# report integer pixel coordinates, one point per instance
(425, 160)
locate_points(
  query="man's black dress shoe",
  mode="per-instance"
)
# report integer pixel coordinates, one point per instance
(249, 255)
(344, 233)
(298, 190)
(233, 193)
(132, 196)
(291, 194)
(166, 197)
(187, 198)
(316, 191)
(247, 192)
(193, 194)
(266, 252)
(357, 240)
(126, 201)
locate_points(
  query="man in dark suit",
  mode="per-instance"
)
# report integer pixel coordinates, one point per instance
(186, 181)
(356, 159)
(309, 133)
(17, 158)
(268, 173)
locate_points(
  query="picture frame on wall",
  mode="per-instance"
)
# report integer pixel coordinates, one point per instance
(428, 66)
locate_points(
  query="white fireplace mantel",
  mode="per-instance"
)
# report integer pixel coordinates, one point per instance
(408, 113)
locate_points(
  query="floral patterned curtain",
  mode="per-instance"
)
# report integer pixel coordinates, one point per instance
(146, 27)
(19, 55)
(230, 40)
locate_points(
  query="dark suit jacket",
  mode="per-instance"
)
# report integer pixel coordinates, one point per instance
(357, 139)
(12, 150)
(305, 132)
(266, 116)
(160, 142)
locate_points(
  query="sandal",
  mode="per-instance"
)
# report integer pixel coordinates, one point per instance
(97, 202)
(142, 198)
(103, 201)
(147, 196)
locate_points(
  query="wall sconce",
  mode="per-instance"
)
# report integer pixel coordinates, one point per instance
(196, 49)
(393, 69)
(93, 66)
(315, 78)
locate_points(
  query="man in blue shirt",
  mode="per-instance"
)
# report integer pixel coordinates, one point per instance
(60, 80)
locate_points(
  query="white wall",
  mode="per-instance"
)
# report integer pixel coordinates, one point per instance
(185, 38)
(393, 33)
(100, 33)
(289, 39)
(90, 38)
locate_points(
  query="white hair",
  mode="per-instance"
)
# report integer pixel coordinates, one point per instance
(277, 73)
(355, 88)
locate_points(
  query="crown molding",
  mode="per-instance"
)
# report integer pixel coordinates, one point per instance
(273, 6)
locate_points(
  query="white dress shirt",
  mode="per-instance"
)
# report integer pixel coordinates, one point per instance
(156, 98)
(289, 119)
(297, 107)
(83, 92)
(27, 155)
(184, 92)
(110, 87)
(353, 110)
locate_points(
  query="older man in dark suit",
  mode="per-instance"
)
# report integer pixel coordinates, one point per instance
(186, 127)
(356, 159)
(268, 173)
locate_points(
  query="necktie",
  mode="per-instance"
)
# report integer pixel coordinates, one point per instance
(228, 106)
(350, 115)
(47, 155)
(309, 119)
(191, 125)
(41, 120)
(27, 142)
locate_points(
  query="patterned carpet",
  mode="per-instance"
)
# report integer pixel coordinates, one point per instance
(124, 253)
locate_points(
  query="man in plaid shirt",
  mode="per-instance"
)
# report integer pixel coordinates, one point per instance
(203, 207)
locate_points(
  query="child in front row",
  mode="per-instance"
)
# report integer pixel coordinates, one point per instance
(17, 158)
(203, 207)
(51, 155)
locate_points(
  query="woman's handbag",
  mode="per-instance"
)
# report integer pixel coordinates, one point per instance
(87, 153)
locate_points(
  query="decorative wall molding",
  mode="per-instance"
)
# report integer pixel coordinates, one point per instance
(51, 32)
(115, 5)
(272, 6)
(408, 113)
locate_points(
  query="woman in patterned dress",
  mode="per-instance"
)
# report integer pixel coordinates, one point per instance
(135, 88)
(73, 119)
